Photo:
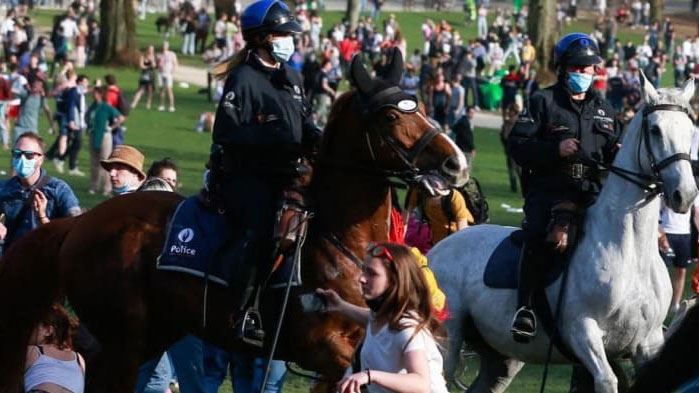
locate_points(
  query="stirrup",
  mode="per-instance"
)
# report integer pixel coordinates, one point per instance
(249, 328)
(523, 325)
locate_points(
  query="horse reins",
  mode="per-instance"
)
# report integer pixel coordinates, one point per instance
(648, 182)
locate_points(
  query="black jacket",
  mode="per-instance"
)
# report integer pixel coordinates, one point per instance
(463, 135)
(551, 117)
(262, 106)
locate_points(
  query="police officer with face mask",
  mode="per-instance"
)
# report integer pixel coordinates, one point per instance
(263, 127)
(32, 197)
(558, 140)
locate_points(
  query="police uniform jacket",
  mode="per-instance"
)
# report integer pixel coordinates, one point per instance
(551, 117)
(263, 107)
(263, 125)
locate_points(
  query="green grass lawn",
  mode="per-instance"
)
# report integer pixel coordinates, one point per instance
(163, 134)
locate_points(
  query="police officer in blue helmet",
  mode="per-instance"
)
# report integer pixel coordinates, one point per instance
(558, 140)
(261, 138)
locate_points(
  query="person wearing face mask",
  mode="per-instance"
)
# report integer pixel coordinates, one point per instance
(32, 197)
(263, 128)
(558, 139)
(125, 168)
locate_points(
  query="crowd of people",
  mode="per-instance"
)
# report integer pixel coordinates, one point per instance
(446, 74)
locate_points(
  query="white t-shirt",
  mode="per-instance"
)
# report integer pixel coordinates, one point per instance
(384, 351)
(676, 223)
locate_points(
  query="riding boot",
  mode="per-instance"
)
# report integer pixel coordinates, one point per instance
(248, 323)
(524, 323)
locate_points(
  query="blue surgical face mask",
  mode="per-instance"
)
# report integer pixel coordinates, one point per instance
(24, 167)
(579, 83)
(283, 48)
(120, 190)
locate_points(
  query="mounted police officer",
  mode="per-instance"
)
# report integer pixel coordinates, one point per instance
(558, 140)
(263, 128)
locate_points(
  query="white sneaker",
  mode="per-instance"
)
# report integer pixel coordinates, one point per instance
(172, 109)
(59, 165)
(76, 172)
(161, 108)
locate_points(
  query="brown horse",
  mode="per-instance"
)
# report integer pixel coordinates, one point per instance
(104, 262)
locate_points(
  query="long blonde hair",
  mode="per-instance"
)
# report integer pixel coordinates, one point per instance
(224, 67)
(221, 69)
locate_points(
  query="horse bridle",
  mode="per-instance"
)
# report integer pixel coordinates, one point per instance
(407, 156)
(649, 182)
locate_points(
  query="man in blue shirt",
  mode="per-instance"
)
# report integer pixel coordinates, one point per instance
(32, 197)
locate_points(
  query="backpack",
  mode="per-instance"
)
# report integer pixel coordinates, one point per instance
(123, 105)
(475, 202)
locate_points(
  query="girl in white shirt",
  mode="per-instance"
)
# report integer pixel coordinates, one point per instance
(400, 352)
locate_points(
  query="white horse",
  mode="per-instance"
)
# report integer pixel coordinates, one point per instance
(618, 289)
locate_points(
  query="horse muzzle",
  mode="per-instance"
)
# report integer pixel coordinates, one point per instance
(455, 169)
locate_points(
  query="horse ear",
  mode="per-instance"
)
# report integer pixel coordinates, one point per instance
(650, 95)
(395, 73)
(688, 89)
(359, 77)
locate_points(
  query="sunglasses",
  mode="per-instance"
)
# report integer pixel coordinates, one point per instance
(379, 251)
(29, 155)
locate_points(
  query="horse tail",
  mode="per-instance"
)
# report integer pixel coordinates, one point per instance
(30, 282)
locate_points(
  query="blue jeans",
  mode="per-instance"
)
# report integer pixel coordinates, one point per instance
(247, 371)
(185, 357)
(155, 375)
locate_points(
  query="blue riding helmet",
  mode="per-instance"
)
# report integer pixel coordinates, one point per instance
(267, 17)
(576, 49)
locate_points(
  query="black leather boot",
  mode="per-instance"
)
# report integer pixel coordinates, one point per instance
(524, 322)
(248, 323)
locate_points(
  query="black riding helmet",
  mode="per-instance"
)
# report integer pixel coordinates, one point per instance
(268, 17)
(576, 49)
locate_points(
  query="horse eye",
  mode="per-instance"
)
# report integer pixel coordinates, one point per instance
(391, 117)
(655, 130)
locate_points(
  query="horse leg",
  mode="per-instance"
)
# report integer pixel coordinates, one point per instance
(582, 381)
(114, 370)
(496, 371)
(676, 363)
(456, 339)
(649, 348)
(590, 350)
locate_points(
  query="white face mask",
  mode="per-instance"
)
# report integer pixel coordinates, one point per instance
(283, 48)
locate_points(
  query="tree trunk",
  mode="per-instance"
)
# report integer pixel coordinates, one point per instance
(541, 25)
(353, 13)
(227, 6)
(118, 33)
(656, 11)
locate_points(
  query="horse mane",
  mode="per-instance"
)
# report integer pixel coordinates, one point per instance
(335, 119)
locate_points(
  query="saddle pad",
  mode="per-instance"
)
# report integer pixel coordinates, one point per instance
(197, 243)
(502, 270)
